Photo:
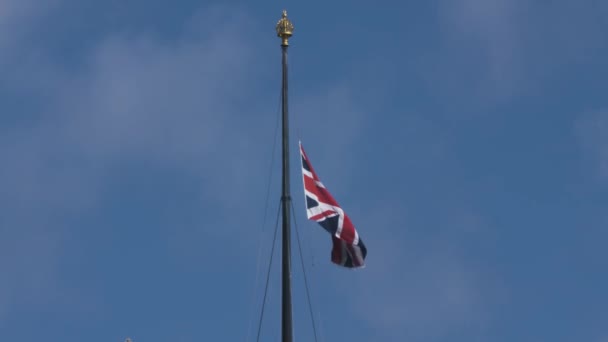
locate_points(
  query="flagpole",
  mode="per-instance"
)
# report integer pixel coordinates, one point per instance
(284, 31)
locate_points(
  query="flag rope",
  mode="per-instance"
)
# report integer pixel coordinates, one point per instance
(312, 317)
(266, 206)
(274, 240)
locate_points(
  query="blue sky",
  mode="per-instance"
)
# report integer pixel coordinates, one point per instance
(468, 142)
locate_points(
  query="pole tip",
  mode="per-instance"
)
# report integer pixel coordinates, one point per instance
(284, 29)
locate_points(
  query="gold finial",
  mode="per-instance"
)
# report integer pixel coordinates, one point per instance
(284, 29)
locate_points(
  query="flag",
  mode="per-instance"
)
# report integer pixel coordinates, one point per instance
(348, 249)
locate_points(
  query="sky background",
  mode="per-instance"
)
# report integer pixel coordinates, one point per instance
(467, 140)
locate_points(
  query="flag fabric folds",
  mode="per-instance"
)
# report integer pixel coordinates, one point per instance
(348, 249)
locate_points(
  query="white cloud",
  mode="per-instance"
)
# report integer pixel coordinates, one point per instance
(17, 20)
(492, 24)
(592, 130)
(136, 98)
(423, 291)
(497, 49)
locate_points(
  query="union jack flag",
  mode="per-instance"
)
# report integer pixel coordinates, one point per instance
(348, 249)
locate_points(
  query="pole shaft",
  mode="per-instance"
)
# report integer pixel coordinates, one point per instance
(287, 330)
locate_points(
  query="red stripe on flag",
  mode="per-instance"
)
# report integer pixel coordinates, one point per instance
(336, 251)
(348, 230)
(324, 214)
(322, 194)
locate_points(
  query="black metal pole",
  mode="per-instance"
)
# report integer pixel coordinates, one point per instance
(287, 330)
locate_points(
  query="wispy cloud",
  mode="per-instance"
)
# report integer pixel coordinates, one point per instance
(420, 288)
(495, 50)
(592, 130)
(17, 20)
(136, 98)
